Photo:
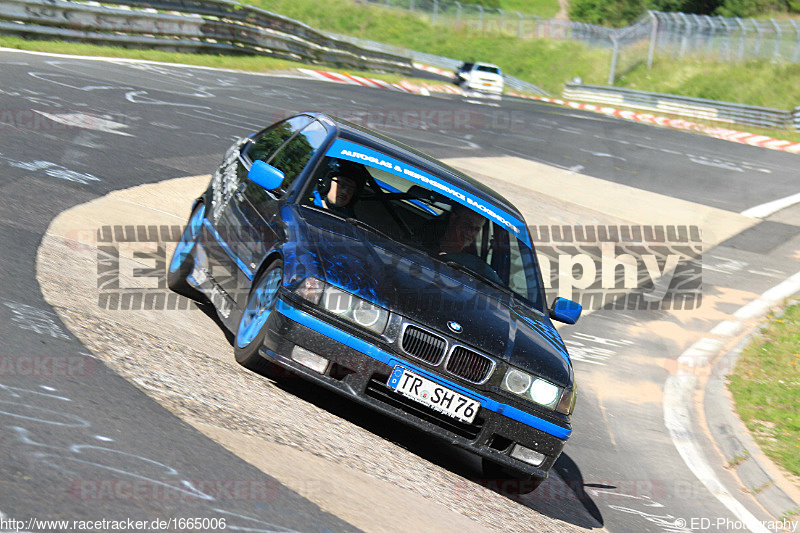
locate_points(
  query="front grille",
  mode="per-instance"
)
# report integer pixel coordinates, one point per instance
(469, 365)
(423, 345)
(379, 390)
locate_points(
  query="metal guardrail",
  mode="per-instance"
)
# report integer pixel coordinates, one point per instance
(435, 61)
(196, 25)
(685, 106)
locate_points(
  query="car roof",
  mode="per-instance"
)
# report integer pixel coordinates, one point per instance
(487, 65)
(371, 139)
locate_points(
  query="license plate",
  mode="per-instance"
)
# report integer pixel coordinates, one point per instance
(435, 396)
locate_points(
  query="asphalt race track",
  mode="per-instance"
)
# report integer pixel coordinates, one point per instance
(76, 130)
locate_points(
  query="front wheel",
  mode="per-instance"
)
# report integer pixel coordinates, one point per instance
(250, 333)
(182, 261)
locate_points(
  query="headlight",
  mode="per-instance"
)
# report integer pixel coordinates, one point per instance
(343, 304)
(545, 393)
(538, 390)
(368, 314)
(517, 382)
(337, 301)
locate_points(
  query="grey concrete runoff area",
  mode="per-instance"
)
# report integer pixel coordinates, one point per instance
(143, 414)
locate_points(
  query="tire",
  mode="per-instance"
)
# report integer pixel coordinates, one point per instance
(250, 332)
(508, 482)
(182, 262)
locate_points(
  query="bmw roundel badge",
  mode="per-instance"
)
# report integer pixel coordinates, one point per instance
(455, 327)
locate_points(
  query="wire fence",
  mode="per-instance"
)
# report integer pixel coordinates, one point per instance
(674, 34)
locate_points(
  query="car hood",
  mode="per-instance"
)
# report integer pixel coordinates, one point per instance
(409, 282)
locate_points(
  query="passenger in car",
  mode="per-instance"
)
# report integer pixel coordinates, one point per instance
(463, 225)
(338, 190)
(455, 237)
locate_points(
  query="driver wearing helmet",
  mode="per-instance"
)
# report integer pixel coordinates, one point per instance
(338, 190)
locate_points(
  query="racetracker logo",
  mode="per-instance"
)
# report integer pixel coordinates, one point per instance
(47, 120)
(565, 490)
(427, 119)
(261, 490)
(47, 366)
(502, 27)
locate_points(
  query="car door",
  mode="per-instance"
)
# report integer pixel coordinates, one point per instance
(231, 265)
(256, 208)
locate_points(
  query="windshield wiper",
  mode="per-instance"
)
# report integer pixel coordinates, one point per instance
(458, 266)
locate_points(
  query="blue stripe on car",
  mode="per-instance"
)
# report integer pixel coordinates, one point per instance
(227, 248)
(361, 154)
(301, 317)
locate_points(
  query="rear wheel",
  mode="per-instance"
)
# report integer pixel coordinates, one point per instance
(260, 303)
(182, 262)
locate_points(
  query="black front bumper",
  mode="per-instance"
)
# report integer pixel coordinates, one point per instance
(364, 379)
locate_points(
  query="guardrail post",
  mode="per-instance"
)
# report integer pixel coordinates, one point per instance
(698, 33)
(501, 19)
(796, 40)
(435, 11)
(687, 26)
(653, 36)
(744, 36)
(519, 27)
(480, 19)
(458, 11)
(758, 39)
(614, 54)
(411, 5)
(778, 38)
(712, 32)
(725, 48)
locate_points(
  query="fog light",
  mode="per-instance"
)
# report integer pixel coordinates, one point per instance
(527, 455)
(309, 359)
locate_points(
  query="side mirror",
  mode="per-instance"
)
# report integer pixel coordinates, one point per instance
(565, 311)
(265, 175)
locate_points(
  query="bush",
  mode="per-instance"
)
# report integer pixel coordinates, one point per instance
(607, 12)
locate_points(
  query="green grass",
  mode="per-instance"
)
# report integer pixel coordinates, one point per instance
(758, 83)
(550, 64)
(541, 8)
(766, 389)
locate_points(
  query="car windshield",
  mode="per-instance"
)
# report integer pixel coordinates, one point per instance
(428, 213)
(486, 68)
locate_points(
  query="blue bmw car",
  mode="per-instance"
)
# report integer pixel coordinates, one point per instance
(376, 271)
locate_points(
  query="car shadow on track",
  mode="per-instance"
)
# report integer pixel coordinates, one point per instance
(561, 497)
(208, 309)
(553, 498)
